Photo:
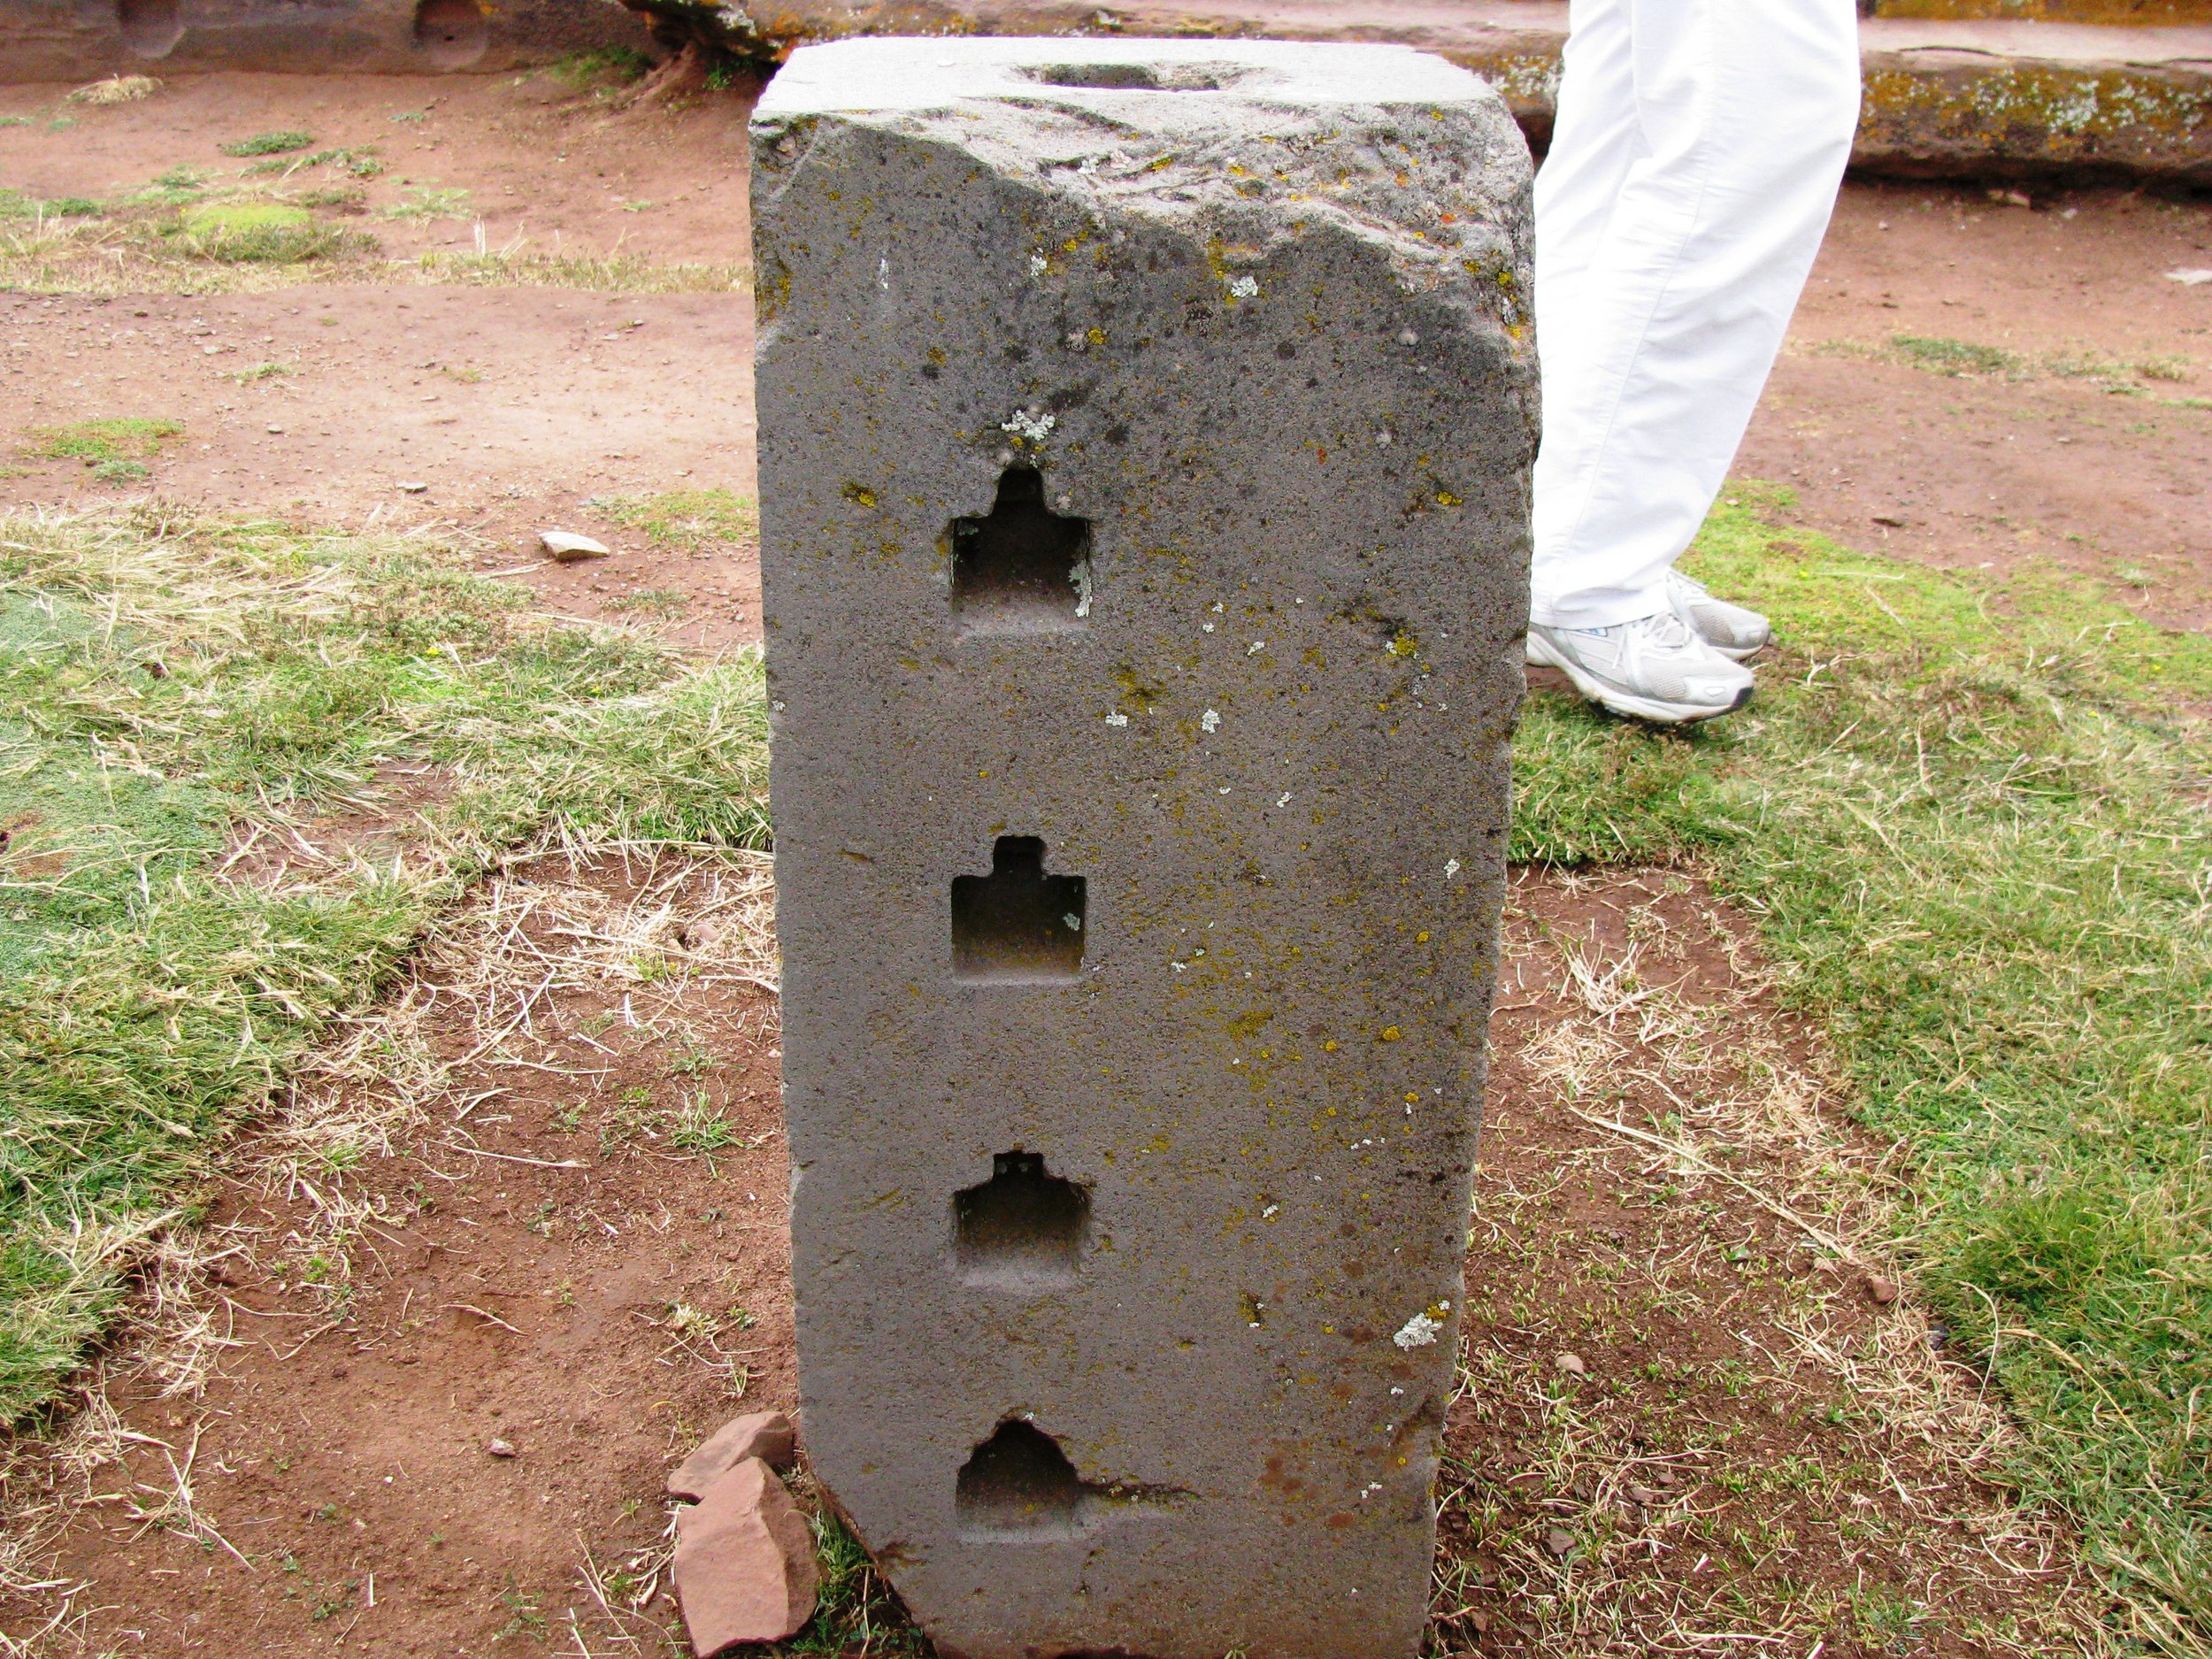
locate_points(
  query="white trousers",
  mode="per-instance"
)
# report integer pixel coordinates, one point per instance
(1693, 169)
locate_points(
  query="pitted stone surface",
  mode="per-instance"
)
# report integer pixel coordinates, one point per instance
(1145, 431)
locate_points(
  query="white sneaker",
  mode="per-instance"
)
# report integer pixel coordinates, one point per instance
(1732, 630)
(1655, 668)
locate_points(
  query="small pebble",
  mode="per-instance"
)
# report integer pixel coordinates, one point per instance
(414, 489)
(1559, 1540)
(1571, 1363)
(500, 1448)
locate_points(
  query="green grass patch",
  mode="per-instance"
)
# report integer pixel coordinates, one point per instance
(269, 144)
(687, 520)
(166, 683)
(1939, 354)
(260, 232)
(1956, 356)
(1974, 821)
(855, 1611)
(432, 203)
(618, 65)
(15, 205)
(127, 438)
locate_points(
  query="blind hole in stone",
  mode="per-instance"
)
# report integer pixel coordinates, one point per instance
(1139, 77)
(1017, 923)
(1023, 1227)
(149, 27)
(450, 33)
(1023, 568)
(1018, 1485)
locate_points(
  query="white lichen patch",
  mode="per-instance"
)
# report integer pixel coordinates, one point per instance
(1244, 287)
(1029, 424)
(1116, 719)
(1423, 1328)
(1451, 868)
(1210, 720)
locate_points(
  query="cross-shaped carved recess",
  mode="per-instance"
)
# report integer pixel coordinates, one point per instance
(1022, 1229)
(1017, 923)
(1022, 568)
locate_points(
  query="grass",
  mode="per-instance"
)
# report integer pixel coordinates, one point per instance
(695, 521)
(116, 89)
(116, 449)
(363, 163)
(269, 144)
(855, 1616)
(1939, 354)
(186, 231)
(581, 71)
(172, 685)
(260, 232)
(425, 203)
(1971, 819)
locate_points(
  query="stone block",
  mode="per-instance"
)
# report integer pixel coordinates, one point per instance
(78, 40)
(1145, 433)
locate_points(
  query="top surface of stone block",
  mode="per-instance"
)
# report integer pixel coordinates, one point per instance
(924, 73)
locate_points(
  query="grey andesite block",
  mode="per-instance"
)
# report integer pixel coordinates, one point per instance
(1145, 433)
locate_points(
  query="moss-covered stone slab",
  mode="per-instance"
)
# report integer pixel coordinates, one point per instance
(1978, 90)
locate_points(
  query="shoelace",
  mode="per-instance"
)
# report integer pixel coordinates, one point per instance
(1665, 627)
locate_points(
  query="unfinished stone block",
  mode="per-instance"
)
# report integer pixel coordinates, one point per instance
(1145, 433)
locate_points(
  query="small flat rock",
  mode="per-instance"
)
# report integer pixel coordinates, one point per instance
(1882, 1290)
(500, 1448)
(568, 546)
(1571, 1364)
(414, 489)
(767, 1435)
(1559, 1540)
(744, 1565)
(2193, 276)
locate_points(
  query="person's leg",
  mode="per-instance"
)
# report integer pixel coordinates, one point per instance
(1656, 348)
(1595, 138)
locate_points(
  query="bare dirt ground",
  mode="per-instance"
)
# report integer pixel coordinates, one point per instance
(538, 1198)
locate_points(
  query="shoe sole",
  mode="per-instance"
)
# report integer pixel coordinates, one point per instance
(1627, 703)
